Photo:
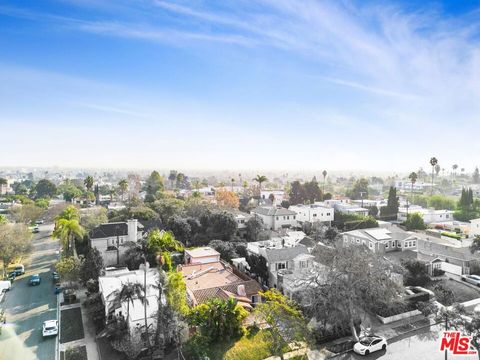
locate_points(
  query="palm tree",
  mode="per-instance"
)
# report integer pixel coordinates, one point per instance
(123, 185)
(67, 230)
(324, 173)
(454, 167)
(413, 179)
(88, 182)
(130, 292)
(232, 180)
(437, 170)
(433, 162)
(260, 179)
(161, 286)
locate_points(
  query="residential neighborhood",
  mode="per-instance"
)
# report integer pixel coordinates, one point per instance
(239, 180)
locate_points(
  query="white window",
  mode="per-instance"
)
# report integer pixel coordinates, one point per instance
(370, 245)
(303, 265)
(386, 245)
(281, 266)
(414, 243)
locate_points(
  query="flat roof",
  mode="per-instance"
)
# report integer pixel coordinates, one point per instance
(202, 252)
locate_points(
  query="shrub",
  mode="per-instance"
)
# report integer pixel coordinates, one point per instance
(438, 272)
(451, 235)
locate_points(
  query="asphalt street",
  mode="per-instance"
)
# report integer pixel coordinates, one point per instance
(423, 344)
(27, 307)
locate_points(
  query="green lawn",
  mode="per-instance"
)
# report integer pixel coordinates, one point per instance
(255, 346)
(462, 291)
(71, 327)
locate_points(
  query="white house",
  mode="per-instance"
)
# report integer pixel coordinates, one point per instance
(382, 240)
(110, 286)
(109, 239)
(429, 215)
(474, 227)
(312, 213)
(275, 218)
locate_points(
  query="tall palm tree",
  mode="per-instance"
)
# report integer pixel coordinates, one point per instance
(413, 179)
(67, 230)
(433, 162)
(454, 167)
(88, 182)
(161, 286)
(324, 173)
(129, 292)
(232, 180)
(260, 179)
(437, 169)
(123, 185)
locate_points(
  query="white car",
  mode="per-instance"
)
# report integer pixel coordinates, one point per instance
(370, 344)
(471, 279)
(50, 327)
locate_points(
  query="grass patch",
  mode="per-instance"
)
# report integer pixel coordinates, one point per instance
(255, 346)
(462, 291)
(78, 353)
(71, 327)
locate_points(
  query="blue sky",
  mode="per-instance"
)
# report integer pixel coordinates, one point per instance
(238, 84)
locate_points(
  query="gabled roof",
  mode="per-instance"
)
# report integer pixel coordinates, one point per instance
(273, 211)
(284, 254)
(109, 230)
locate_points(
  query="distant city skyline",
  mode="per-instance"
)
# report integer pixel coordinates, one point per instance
(260, 85)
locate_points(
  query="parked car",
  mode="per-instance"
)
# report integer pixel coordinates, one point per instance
(370, 344)
(50, 327)
(5, 285)
(55, 277)
(11, 276)
(39, 221)
(34, 280)
(471, 279)
(69, 295)
(36, 230)
(18, 269)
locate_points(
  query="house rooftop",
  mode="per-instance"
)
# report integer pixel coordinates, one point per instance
(272, 211)
(109, 230)
(202, 252)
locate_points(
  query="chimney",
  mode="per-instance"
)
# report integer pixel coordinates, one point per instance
(132, 230)
(241, 290)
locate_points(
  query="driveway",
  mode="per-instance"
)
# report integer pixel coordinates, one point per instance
(28, 307)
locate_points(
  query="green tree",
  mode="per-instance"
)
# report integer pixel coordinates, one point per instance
(223, 225)
(129, 293)
(42, 203)
(433, 163)
(253, 228)
(258, 267)
(153, 186)
(260, 179)
(172, 177)
(26, 213)
(324, 174)
(359, 190)
(218, 319)
(161, 243)
(476, 176)
(68, 229)
(415, 222)
(169, 207)
(123, 186)
(15, 240)
(92, 266)
(88, 182)
(417, 273)
(69, 267)
(70, 191)
(297, 193)
(285, 320)
(93, 217)
(180, 228)
(45, 189)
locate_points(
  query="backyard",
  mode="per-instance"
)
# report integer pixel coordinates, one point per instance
(461, 291)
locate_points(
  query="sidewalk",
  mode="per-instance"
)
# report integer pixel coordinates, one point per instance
(88, 340)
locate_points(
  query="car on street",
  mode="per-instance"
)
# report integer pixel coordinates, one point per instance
(36, 230)
(39, 222)
(370, 344)
(55, 277)
(18, 269)
(34, 280)
(11, 276)
(5, 285)
(471, 279)
(50, 328)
